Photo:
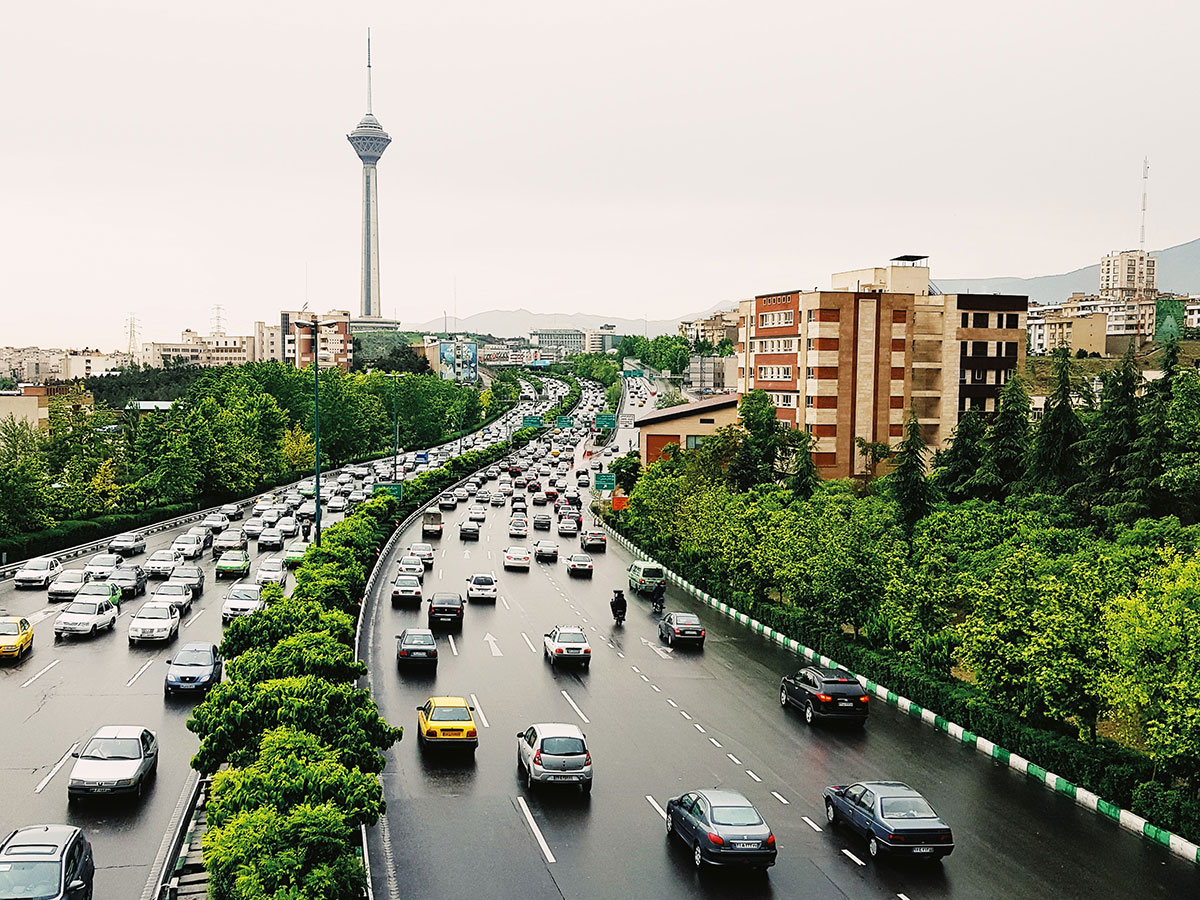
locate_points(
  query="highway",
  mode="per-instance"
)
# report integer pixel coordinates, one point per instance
(56, 698)
(660, 722)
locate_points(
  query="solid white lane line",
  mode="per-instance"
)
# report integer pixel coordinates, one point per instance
(658, 809)
(138, 673)
(685, 715)
(505, 602)
(453, 646)
(853, 857)
(714, 742)
(54, 771)
(537, 832)
(578, 711)
(191, 619)
(655, 688)
(811, 824)
(752, 775)
(736, 761)
(528, 643)
(479, 709)
(778, 796)
(38, 675)
(674, 705)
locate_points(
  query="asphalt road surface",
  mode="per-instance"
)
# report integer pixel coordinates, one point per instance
(661, 722)
(58, 696)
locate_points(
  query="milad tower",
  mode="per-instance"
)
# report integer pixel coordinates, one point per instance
(369, 140)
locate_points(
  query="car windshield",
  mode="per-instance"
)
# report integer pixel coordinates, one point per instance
(186, 572)
(71, 577)
(166, 555)
(173, 587)
(571, 637)
(271, 565)
(735, 815)
(123, 575)
(106, 559)
(906, 808)
(243, 594)
(193, 656)
(29, 879)
(8, 628)
(153, 612)
(112, 748)
(652, 572)
(450, 714)
(563, 746)
(484, 579)
(422, 640)
(82, 609)
(407, 581)
(38, 565)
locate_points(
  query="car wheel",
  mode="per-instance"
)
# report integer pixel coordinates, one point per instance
(670, 640)
(697, 857)
(783, 697)
(586, 787)
(529, 782)
(92, 633)
(873, 847)
(831, 816)
(670, 824)
(809, 713)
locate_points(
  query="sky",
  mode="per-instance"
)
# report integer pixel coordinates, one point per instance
(629, 158)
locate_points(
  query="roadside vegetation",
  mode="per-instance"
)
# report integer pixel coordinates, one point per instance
(1038, 583)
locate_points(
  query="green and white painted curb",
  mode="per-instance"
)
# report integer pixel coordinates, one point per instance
(1129, 821)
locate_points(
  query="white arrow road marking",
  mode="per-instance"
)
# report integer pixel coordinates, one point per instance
(578, 711)
(491, 642)
(811, 824)
(479, 709)
(38, 675)
(537, 832)
(658, 809)
(453, 646)
(853, 857)
(466, 554)
(138, 673)
(662, 653)
(54, 771)
(192, 619)
(528, 643)
(41, 615)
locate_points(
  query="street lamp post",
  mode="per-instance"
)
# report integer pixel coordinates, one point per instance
(316, 364)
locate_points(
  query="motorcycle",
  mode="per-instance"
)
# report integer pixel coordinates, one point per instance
(658, 601)
(618, 607)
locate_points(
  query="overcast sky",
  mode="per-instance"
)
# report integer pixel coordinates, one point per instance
(632, 158)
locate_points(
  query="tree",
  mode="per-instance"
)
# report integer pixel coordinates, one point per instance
(1054, 465)
(755, 460)
(294, 768)
(612, 395)
(298, 449)
(908, 480)
(960, 461)
(401, 358)
(872, 452)
(668, 399)
(1181, 465)
(1108, 444)
(282, 618)
(307, 653)
(1146, 494)
(627, 470)
(724, 348)
(1005, 447)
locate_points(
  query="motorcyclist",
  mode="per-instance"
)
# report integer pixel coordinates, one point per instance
(658, 598)
(618, 605)
(306, 528)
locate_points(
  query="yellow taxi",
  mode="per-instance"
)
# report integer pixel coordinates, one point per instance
(447, 721)
(16, 637)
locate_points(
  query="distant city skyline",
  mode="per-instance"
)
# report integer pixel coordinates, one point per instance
(644, 159)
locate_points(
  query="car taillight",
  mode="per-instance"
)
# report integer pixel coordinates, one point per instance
(587, 649)
(701, 632)
(770, 840)
(898, 838)
(677, 631)
(537, 758)
(864, 699)
(403, 653)
(433, 652)
(471, 732)
(558, 649)
(587, 759)
(715, 839)
(824, 698)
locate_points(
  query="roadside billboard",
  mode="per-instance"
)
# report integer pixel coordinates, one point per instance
(458, 360)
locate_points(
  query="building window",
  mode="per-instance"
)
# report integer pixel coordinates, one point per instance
(808, 372)
(810, 344)
(693, 441)
(966, 320)
(962, 376)
(808, 402)
(979, 348)
(980, 320)
(1012, 320)
(962, 348)
(812, 315)
(1010, 347)
(979, 376)
(708, 421)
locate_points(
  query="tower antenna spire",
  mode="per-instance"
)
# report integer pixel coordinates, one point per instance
(1145, 185)
(369, 71)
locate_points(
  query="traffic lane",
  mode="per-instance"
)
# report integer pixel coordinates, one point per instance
(584, 836)
(1002, 827)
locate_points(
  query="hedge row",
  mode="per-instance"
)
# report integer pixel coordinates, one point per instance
(71, 532)
(1115, 773)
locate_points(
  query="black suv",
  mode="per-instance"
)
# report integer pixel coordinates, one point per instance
(825, 694)
(50, 862)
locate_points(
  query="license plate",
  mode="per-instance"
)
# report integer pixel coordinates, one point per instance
(419, 653)
(691, 633)
(573, 651)
(845, 703)
(745, 845)
(564, 777)
(451, 732)
(922, 849)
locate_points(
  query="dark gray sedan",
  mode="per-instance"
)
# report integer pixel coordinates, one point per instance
(131, 579)
(722, 828)
(893, 818)
(195, 669)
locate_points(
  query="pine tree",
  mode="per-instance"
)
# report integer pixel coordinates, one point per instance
(1005, 447)
(1054, 464)
(1146, 495)
(961, 460)
(1109, 443)
(909, 483)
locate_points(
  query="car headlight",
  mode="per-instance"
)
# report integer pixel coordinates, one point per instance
(8, 646)
(124, 782)
(76, 782)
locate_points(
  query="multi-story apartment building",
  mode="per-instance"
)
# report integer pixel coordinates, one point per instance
(85, 364)
(714, 329)
(601, 340)
(568, 339)
(1128, 275)
(850, 362)
(333, 344)
(1122, 318)
(1049, 328)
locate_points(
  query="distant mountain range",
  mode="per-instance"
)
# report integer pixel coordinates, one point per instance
(1178, 272)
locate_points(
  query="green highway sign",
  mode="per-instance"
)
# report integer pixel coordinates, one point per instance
(532, 422)
(395, 488)
(606, 420)
(566, 422)
(633, 373)
(605, 481)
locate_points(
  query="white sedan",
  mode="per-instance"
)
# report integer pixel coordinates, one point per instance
(516, 558)
(567, 643)
(482, 587)
(477, 513)
(412, 565)
(86, 616)
(155, 621)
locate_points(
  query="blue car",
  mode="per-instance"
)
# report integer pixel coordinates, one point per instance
(892, 817)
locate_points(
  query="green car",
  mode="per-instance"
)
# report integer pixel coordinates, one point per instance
(295, 553)
(235, 563)
(307, 490)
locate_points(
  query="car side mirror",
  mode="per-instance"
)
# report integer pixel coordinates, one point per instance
(419, 708)
(75, 754)
(168, 660)
(841, 792)
(76, 887)
(520, 734)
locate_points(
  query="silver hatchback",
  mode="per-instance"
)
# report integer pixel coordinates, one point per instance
(554, 753)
